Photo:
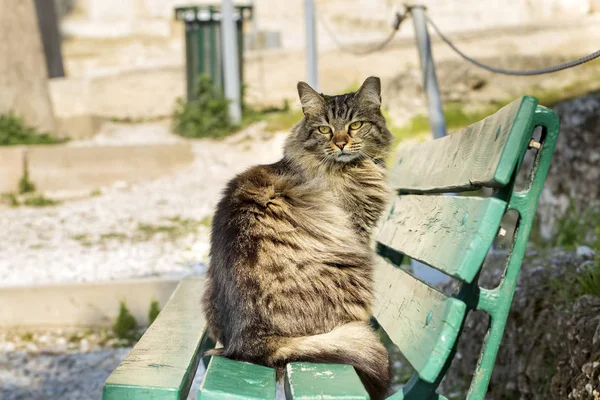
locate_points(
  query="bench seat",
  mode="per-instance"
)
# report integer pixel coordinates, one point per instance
(435, 218)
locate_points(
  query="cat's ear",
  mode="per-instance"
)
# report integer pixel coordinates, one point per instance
(369, 93)
(312, 102)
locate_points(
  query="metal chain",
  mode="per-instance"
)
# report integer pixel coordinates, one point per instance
(377, 47)
(548, 70)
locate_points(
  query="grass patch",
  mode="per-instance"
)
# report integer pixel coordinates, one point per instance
(579, 228)
(282, 120)
(83, 239)
(39, 201)
(11, 199)
(113, 236)
(135, 120)
(207, 116)
(277, 118)
(177, 228)
(27, 337)
(589, 279)
(172, 229)
(353, 87)
(14, 131)
(154, 311)
(125, 326)
(25, 185)
(206, 221)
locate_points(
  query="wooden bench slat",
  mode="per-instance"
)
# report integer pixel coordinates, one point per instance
(421, 321)
(482, 154)
(162, 364)
(306, 381)
(450, 233)
(401, 396)
(228, 379)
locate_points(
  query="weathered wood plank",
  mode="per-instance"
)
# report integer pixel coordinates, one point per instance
(482, 154)
(306, 381)
(228, 379)
(420, 320)
(162, 364)
(400, 395)
(450, 233)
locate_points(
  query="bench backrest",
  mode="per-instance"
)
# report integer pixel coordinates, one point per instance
(454, 233)
(450, 233)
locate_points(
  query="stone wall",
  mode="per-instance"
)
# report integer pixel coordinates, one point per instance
(23, 75)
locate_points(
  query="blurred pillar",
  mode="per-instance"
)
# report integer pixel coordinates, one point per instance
(48, 25)
(23, 75)
(311, 45)
(230, 61)
(430, 84)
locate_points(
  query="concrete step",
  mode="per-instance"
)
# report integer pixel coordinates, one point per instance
(64, 167)
(81, 304)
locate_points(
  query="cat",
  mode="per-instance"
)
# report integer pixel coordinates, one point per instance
(290, 271)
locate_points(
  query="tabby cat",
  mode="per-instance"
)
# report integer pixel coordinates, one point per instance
(290, 275)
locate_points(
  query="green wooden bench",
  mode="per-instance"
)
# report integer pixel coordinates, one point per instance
(450, 233)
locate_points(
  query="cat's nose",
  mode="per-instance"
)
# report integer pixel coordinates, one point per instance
(341, 144)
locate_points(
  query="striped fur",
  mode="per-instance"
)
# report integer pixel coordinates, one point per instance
(290, 276)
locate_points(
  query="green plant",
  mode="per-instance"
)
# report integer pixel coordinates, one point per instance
(175, 229)
(113, 236)
(589, 280)
(353, 87)
(586, 280)
(83, 239)
(575, 228)
(14, 131)
(282, 120)
(125, 326)
(12, 199)
(205, 116)
(25, 185)
(39, 201)
(206, 221)
(154, 310)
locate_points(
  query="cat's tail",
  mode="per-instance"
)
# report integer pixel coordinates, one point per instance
(354, 343)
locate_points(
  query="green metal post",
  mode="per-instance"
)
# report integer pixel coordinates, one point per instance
(240, 33)
(189, 60)
(200, 49)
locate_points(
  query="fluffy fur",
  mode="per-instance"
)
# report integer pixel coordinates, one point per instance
(290, 276)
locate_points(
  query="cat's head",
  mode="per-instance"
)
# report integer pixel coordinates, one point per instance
(343, 128)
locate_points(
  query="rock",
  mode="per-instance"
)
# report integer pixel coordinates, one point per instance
(61, 344)
(585, 251)
(578, 370)
(8, 347)
(575, 170)
(545, 328)
(31, 347)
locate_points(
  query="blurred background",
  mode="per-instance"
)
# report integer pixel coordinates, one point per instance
(116, 140)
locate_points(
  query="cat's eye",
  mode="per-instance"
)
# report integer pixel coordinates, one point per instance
(355, 125)
(324, 129)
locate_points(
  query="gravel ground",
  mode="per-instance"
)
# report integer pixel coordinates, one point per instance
(64, 364)
(154, 228)
(28, 375)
